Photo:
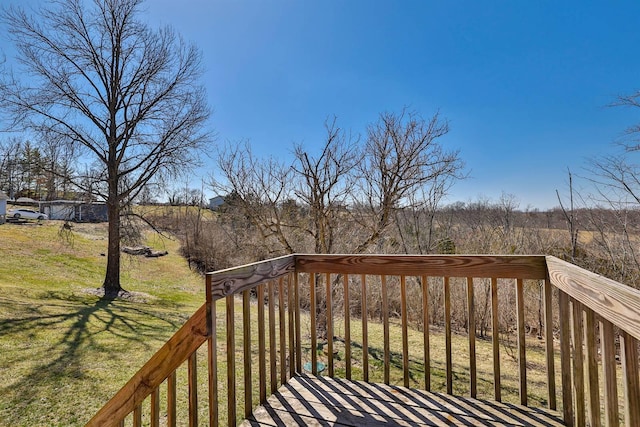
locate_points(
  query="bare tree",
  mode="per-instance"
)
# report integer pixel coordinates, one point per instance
(402, 155)
(324, 183)
(260, 187)
(127, 95)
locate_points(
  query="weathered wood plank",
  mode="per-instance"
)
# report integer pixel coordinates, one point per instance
(137, 416)
(447, 334)
(166, 360)
(347, 326)
(593, 387)
(246, 352)
(282, 326)
(608, 351)
(506, 266)
(471, 311)
(155, 408)
(405, 335)
(235, 280)
(171, 400)
(565, 356)
(307, 400)
(314, 329)
(292, 330)
(522, 354)
(425, 333)
(578, 363)
(365, 331)
(548, 343)
(273, 373)
(495, 340)
(613, 301)
(629, 356)
(231, 360)
(262, 346)
(298, 326)
(329, 323)
(212, 360)
(192, 373)
(385, 329)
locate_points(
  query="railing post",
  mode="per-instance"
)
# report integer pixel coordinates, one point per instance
(385, 329)
(405, 336)
(578, 363)
(365, 331)
(212, 356)
(447, 335)
(471, 309)
(495, 339)
(593, 387)
(231, 361)
(522, 354)
(246, 346)
(565, 357)
(425, 333)
(549, 350)
(609, 374)
(629, 356)
(347, 326)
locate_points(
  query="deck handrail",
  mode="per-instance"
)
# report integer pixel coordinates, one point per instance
(585, 308)
(611, 300)
(161, 365)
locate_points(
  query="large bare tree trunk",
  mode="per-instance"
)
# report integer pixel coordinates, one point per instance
(111, 283)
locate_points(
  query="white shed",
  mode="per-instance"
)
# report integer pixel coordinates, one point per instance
(3, 207)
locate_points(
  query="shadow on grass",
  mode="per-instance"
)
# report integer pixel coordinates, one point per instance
(55, 343)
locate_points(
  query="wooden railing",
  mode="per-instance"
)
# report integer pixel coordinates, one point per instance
(370, 317)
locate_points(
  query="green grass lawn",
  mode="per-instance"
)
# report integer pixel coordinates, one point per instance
(63, 351)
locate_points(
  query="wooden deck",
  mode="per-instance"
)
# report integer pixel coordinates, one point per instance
(322, 401)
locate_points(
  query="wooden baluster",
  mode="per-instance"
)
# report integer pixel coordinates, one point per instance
(347, 327)
(192, 374)
(283, 338)
(629, 356)
(405, 334)
(262, 361)
(212, 357)
(314, 331)
(471, 309)
(522, 354)
(246, 351)
(365, 332)
(447, 334)
(385, 327)
(565, 356)
(155, 407)
(593, 388)
(121, 423)
(495, 338)
(272, 339)
(231, 361)
(329, 323)
(425, 333)
(292, 326)
(608, 352)
(578, 363)
(549, 350)
(137, 416)
(296, 305)
(171, 400)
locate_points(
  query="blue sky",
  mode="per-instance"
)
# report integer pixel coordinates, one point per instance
(525, 85)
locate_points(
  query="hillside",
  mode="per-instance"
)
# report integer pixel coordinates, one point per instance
(63, 351)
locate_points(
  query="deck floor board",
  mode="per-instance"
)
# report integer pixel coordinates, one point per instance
(323, 401)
